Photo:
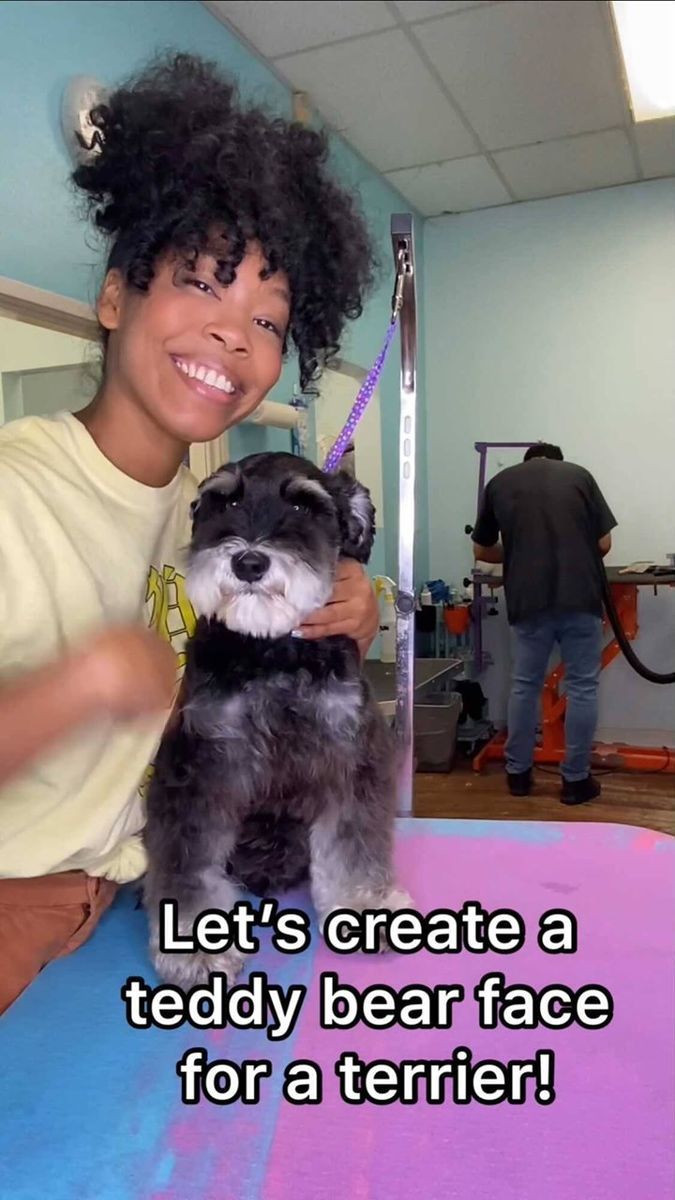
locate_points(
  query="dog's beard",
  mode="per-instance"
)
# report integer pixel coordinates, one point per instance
(275, 606)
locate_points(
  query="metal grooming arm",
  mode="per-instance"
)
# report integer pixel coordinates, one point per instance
(406, 307)
(480, 660)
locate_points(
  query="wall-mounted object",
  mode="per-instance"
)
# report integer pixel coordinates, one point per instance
(280, 416)
(80, 96)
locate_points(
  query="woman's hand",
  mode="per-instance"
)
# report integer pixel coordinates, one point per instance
(124, 672)
(351, 610)
(130, 672)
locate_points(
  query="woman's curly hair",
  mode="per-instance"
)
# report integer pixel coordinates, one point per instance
(182, 157)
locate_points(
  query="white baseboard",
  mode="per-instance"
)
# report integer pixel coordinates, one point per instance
(637, 737)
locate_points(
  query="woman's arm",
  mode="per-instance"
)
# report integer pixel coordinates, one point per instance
(124, 673)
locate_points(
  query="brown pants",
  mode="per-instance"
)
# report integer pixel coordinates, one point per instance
(42, 919)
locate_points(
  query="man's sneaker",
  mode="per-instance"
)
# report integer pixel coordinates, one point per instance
(580, 791)
(520, 784)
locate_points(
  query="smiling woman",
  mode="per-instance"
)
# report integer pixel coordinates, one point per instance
(191, 355)
(155, 188)
(218, 262)
(219, 268)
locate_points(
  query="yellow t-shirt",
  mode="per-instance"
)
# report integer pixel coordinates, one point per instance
(82, 546)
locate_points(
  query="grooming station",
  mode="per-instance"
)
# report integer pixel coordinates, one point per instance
(551, 751)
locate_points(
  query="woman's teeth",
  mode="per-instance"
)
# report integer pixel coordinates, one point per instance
(206, 375)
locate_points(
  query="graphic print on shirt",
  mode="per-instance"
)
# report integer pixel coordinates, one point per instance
(172, 617)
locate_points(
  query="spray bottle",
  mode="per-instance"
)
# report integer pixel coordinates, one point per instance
(385, 589)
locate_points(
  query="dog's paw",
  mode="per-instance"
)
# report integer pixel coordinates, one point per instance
(189, 970)
(365, 901)
(392, 901)
(395, 900)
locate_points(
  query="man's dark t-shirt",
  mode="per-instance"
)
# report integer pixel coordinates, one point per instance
(551, 516)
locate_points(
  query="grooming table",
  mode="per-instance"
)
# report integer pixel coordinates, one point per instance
(90, 1108)
(382, 677)
(551, 751)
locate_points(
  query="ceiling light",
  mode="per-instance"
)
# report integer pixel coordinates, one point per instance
(646, 33)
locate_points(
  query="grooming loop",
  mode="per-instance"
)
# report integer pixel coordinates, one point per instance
(365, 392)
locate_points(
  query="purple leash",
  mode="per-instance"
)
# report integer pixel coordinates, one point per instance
(361, 403)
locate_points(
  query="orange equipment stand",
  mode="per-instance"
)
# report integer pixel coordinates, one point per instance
(551, 751)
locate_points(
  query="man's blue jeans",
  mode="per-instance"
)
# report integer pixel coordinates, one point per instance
(579, 636)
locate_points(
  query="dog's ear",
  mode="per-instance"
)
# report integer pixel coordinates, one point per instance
(356, 515)
(224, 482)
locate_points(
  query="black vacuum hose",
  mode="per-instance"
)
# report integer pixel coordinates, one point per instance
(620, 635)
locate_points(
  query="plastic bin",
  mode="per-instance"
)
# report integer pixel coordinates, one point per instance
(435, 731)
(458, 619)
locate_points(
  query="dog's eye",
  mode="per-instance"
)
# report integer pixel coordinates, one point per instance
(297, 508)
(233, 504)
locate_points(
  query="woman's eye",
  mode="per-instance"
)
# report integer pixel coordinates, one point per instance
(201, 286)
(271, 327)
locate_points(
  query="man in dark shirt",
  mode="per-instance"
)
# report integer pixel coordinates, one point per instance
(555, 525)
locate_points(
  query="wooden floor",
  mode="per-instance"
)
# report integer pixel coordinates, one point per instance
(627, 799)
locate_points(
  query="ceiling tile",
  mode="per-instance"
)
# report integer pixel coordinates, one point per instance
(656, 146)
(377, 92)
(282, 28)
(416, 10)
(570, 165)
(526, 72)
(456, 186)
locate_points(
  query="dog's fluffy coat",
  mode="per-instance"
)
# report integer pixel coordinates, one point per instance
(280, 763)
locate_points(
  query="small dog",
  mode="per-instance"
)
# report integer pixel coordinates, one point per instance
(280, 763)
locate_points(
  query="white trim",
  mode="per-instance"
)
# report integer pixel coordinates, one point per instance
(206, 457)
(49, 310)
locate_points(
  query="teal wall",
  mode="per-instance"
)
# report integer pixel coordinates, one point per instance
(42, 240)
(553, 320)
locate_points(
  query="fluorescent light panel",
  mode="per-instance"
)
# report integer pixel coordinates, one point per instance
(646, 32)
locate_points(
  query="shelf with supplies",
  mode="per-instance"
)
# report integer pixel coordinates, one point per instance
(444, 631)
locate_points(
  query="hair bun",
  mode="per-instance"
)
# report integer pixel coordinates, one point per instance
(157, 133)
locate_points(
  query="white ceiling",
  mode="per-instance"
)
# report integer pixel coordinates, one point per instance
(464, 105)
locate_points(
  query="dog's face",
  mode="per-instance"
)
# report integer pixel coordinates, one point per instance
(266, 536)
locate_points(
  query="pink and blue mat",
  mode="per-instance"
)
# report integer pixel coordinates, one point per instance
(90, 1108)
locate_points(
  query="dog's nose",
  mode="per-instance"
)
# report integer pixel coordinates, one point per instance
(250, 565)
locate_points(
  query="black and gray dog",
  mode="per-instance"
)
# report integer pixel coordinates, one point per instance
(280, 764)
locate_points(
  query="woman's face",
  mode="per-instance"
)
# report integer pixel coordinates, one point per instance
(195, 355)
